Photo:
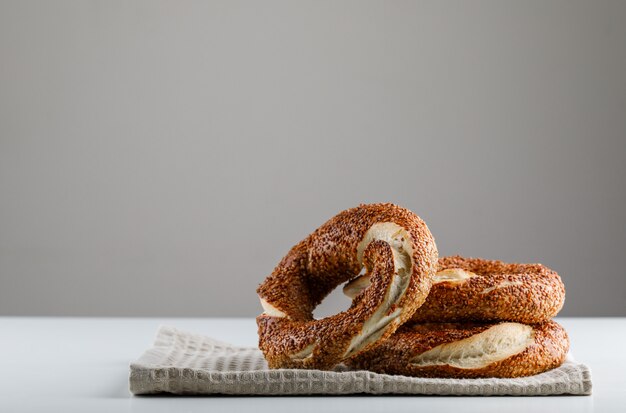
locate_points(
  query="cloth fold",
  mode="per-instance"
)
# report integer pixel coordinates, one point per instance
(190, 364)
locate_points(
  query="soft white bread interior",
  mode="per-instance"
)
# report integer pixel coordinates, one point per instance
(400, 242)
(271, 310)
(480, 350)
(453, 276)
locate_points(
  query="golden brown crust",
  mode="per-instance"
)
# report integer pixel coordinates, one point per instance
(525, 293)
(326, 259)
(397, 354)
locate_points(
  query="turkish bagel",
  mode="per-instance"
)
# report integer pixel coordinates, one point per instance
(475, 289)
(466, 350)
(399, 255)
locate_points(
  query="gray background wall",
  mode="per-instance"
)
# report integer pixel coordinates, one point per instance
(159, 158)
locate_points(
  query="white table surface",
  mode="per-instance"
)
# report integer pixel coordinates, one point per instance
(81, 365)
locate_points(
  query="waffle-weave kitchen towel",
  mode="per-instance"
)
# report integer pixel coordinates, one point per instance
(189, 364)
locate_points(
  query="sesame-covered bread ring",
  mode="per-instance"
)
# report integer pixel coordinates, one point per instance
(467, 350)
(475, 289)
(397, 251)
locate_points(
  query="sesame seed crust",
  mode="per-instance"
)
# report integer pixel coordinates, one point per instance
(326, 259)
(547, 350)
(524, 293)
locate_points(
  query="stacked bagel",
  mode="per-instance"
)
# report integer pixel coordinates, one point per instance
(412, 312)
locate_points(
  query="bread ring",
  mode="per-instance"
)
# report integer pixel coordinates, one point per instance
(468, 350)
(400, 256)
(474, 289)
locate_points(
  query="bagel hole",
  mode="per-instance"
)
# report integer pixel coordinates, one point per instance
(334, 303)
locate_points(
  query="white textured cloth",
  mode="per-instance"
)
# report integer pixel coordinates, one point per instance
(185, 363)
